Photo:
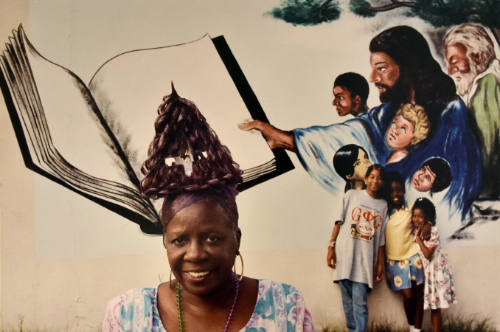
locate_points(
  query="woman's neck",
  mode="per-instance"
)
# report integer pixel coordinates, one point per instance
(220, 298)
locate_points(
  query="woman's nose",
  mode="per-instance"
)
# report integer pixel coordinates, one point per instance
(195, 251)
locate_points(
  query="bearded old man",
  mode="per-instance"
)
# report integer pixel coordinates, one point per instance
(472, 64)
(404, 71)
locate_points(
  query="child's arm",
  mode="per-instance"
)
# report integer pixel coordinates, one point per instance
(427, 251)
(379, 272)
(330, 257)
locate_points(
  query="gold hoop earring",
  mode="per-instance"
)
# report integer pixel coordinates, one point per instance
(240, 276)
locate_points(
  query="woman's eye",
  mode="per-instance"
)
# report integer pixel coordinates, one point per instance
(403, 130)
(212, 239)
(179, 241)
(393, 124)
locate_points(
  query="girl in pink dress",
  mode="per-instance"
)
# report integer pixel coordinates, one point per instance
(439, 290)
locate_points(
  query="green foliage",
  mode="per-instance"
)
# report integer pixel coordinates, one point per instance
(451, 12)
(362, 8)
(437, 12)
(307, 12)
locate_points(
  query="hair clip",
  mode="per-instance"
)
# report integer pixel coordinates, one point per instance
(186, 161)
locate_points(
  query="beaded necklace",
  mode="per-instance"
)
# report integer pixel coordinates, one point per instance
(236, 283)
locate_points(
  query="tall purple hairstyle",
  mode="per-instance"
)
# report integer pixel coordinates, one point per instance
(181, 133)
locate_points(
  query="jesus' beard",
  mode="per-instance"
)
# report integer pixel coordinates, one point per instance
(397, 94)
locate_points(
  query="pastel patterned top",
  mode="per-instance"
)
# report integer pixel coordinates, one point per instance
(279, 307)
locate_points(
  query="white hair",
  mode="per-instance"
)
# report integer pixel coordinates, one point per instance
(476, 40)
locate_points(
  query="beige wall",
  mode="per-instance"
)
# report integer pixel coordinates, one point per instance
(62, 257)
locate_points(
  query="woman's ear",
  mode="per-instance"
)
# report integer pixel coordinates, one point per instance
(238, 239)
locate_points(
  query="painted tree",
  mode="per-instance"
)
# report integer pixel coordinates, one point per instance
(307, 12)
(437, 12)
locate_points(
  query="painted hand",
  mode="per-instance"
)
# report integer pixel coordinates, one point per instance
(275, 138)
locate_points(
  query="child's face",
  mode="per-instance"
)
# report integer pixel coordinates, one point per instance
(373, 182)
(418, 217)
(397, 194)
(360, 166)
(342, 100)
(400, 133)
(423, 179)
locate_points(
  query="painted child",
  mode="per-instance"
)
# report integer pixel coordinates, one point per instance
(410, 126)
(356, 249)
(351, 162)
(439, 290)
(404, 269)
(350, 91)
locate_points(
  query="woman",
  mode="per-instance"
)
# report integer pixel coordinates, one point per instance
(196, 176)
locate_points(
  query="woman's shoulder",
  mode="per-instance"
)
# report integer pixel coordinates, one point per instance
(276, 292)
(271, 284)
(132, 297)
(282, 306)
(133, 307)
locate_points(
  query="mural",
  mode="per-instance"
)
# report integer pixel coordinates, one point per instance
(415, 89)
(433, 124)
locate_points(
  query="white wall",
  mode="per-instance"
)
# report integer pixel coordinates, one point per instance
(62, 256)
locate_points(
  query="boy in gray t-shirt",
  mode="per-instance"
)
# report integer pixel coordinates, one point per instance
(356, 247)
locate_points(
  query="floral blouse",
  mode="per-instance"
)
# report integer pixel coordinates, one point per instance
(279, 307)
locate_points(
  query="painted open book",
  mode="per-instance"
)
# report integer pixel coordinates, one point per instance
(92, 138)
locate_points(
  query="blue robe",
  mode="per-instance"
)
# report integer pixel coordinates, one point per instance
(453, 139)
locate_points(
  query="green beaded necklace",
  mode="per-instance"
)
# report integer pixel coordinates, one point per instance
(179, 308)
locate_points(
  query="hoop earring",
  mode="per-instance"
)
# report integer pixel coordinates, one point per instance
(240, 276)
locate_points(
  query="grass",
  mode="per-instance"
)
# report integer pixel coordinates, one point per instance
(451, 323)
(456, 323)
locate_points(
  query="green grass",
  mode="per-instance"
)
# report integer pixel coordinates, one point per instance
(458, 323)
(451, 323)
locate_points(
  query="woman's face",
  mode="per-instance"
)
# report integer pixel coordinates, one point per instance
(418, 217)
(360, 166)
(201, 247)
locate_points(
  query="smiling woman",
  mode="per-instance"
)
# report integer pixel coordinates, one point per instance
(194, 173)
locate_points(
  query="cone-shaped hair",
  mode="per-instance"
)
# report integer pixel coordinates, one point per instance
(182, 132)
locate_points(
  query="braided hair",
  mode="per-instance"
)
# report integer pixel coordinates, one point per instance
(203, 167)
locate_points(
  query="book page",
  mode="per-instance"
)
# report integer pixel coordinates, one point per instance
(130, 87)
(71, 117)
